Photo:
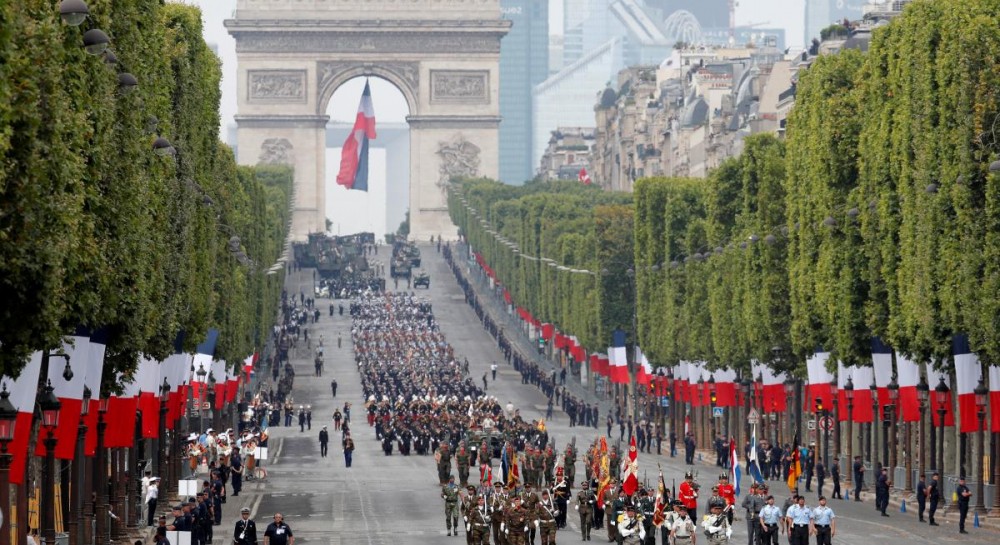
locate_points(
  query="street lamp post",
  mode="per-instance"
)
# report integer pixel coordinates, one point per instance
(821, 420)
(872, 440)
(941, 393)
(892, 414)
(746, 385)
(100, 477)
(923, 390)
(832, 420)
(201, 397)
(161, 436)
(981, 394)
(672, 400)
(789, 405)
(633, 366)
(713, 399)
(49, 405)
(8, 419)
(77, 523)
(849, 394)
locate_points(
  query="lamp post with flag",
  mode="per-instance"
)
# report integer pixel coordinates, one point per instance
(8, 419)
(849, 395)
(981, 393)
(941, 392)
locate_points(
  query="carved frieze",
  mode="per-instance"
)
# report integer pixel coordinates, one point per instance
(276, 86)
(463, 86)
(406, 72)
(275, 151)
(377, 42)
(459, 159)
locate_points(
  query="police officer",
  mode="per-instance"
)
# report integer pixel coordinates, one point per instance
(770, 519)
(585, 503)
(797, 520)
(449, 493)
(921, 497)
(753, 503)
(245, 532)
(278, 533)
(824, 523)
(181, 523)
(963, 494)
(933, 496)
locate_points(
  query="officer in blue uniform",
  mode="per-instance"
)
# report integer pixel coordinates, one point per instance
(797, 520)
(824, 523)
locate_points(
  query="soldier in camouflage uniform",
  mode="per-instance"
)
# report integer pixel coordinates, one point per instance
(569, 463)
(549, 461)
(545, 518)
(586, 502)
(462, 461)
(443, 458)
(515, 522)
(497, 505)
(468, 504)
(478, 523)
(538, 463)
(449, 493)
(529, 502)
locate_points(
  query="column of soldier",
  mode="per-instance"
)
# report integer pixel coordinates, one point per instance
(580, 413)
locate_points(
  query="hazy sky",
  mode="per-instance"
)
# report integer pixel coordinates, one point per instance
(788, 14)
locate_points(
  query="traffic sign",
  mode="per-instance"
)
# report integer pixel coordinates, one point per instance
(718, 412)
(665, 402)
(753, 417)
(811, 425)
(206, 405)
(826, 423)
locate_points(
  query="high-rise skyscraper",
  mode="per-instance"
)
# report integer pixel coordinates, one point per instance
(524, 59)
(823, 13)
(710, 13)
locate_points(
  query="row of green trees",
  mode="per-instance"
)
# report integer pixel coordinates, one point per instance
(877, 216)
(97, 230)
(583, 232)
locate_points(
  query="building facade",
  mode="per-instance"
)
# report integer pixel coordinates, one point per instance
(524, 63)
(567, 154)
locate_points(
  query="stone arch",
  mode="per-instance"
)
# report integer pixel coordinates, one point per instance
(330, 75)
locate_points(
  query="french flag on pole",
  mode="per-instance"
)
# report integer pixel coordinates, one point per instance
(619, 359)
(968, 371)
(735, 474)
(354, 155)
(22, 392)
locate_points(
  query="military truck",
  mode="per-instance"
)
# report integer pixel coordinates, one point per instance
(422, 279)
(414, 254)
(400, 268)
(494, 439)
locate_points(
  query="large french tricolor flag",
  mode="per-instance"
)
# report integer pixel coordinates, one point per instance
(861, 378)
(968, 372)
(725, 387)
(908, 376)
(354, 155)
(120, 420)
(22, 396)
(618, 357)
(773, 388)
(882, 365)
(644, 373)
(994, 398)
(820, 381)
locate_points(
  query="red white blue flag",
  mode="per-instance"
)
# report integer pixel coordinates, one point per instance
(354, 155)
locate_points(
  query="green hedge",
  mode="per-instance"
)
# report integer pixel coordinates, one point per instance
(95, 229)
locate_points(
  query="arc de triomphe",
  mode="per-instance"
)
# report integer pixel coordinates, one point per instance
(443, 55)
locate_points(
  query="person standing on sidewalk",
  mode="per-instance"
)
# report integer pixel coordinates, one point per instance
(859, 477)
(835, 475)
(933, 496)
(921, 497)
(963, 494)
(882, 491)
(278, 533)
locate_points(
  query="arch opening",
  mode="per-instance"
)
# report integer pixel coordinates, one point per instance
(383, 207)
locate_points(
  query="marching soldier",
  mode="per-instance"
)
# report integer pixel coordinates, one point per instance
(728, 493)
(645, 508)
(688, 494)
(669, 517)
(550, 466)
(515, 524)
(770, 519)
(449, 493)
(824, 523)
(545, 518)
(560, 495)
(569, 465)
(682, 527)
(609, 512)
(716, 525)
(467, 505)
(462, 461)
(478, 522)
(498, 503)
(615, 513)
(630, 527)
(585, 504)
(443, 459)
(754, 503)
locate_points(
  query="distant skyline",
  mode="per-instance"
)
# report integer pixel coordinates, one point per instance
(787, 14)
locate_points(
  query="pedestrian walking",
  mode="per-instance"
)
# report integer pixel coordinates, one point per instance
(309, 417)
(333, 387)
(348, 449)
(278, 533)
(963, 494)
(798, 520)
(493, 369)
(324, 440)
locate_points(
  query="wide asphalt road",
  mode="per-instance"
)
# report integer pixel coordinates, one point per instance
(395, 500)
